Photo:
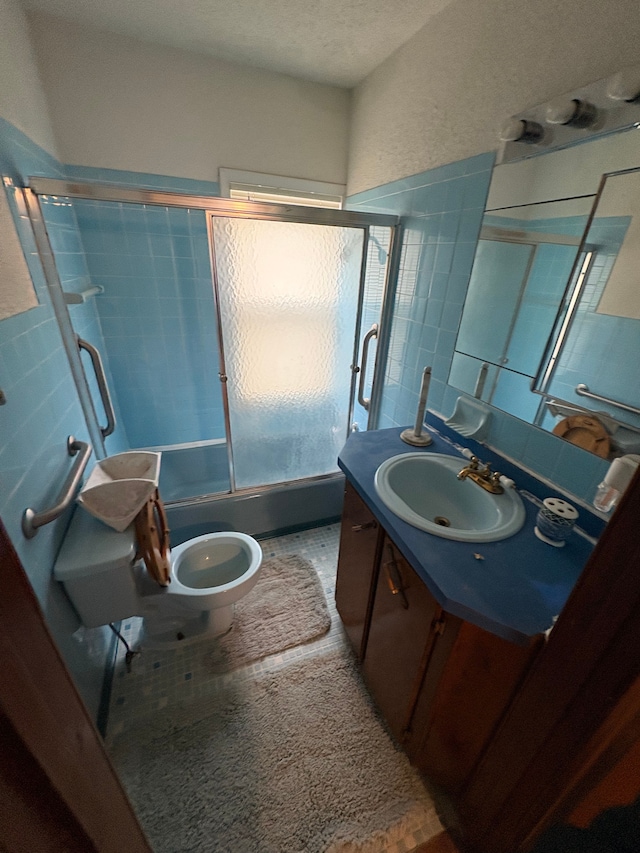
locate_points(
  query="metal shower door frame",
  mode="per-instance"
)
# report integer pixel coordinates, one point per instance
(220, 207)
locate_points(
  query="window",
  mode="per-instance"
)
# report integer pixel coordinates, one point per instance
(254, 186)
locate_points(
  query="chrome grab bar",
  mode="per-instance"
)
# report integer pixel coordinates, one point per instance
(103, 388)
(32, 520)
(372, 333)
(583, 391)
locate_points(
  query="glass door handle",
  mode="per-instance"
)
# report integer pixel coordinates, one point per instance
(372, 333)
(101, 379)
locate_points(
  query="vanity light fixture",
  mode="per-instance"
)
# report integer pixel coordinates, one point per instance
(602, 107)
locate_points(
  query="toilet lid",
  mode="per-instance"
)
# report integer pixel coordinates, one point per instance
(585, 431)
(152, 534)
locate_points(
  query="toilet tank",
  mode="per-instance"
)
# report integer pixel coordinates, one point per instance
(95, 565)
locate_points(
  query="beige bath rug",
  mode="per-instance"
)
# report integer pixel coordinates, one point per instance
(285, 608)
(291, 761)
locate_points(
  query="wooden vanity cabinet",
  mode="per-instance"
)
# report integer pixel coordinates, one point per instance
(476, 675)
(441, 683)
(360, 542)
(403, 627)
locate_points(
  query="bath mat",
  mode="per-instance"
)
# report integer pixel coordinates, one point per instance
(294, 760)
(285, 608)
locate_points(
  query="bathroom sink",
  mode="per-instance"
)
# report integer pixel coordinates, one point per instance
(423, 490)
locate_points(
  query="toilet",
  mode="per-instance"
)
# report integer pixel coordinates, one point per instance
(107, 581)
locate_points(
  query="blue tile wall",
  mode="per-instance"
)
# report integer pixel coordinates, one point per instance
(157, 318)
(42, 409)
(442, 211)
(64, 235)
(597, 347)
(543, 274)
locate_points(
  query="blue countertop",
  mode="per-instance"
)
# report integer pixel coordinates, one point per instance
(518, 587)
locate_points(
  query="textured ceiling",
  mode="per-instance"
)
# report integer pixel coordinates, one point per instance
(330, 41)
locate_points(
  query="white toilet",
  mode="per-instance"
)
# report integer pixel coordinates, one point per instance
(107, 583)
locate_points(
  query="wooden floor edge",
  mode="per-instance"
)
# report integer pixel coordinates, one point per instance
(442, 843)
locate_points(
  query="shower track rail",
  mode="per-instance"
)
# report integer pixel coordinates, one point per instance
(32, 520)
(215, 204)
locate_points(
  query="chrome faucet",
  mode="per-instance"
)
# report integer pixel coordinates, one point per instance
(483, 476)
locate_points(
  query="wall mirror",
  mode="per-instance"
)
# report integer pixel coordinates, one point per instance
(550, 330)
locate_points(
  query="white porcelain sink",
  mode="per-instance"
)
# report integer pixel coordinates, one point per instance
(423, 490)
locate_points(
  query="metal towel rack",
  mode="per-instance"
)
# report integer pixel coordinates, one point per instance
(583, 391)
(103, 388)
(32, 520)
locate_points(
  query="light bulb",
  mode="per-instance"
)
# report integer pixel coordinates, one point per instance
(625, 85)
(521, 130)
(571, 112)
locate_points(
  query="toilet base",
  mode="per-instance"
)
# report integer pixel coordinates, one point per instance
(207, 625)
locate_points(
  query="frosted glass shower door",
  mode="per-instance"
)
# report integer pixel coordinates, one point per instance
(288, 301)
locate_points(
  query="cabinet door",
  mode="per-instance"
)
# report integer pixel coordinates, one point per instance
(357, 561)
(400, 636)
(452, 725)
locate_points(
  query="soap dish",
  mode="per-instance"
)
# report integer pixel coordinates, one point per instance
(470, 418)
(119, 486)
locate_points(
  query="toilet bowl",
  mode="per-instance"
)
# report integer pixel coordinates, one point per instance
(208, 575)
(106, 581)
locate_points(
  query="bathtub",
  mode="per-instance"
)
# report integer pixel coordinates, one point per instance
(194, 485)
(190, 470)
(267, 511)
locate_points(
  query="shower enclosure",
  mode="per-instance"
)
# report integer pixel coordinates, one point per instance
(228, 335)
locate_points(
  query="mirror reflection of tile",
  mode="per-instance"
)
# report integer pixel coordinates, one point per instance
(551, 300)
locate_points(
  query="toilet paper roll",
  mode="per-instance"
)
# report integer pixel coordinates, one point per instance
(555, 520)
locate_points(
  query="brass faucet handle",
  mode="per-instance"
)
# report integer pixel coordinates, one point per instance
(474, 463)
(495, 476)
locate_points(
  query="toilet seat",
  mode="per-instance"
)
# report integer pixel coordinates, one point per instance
(152, 537)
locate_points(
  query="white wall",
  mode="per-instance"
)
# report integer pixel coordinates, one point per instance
(444, 94)
(119, 103)
(22, 100)
(621, 197)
